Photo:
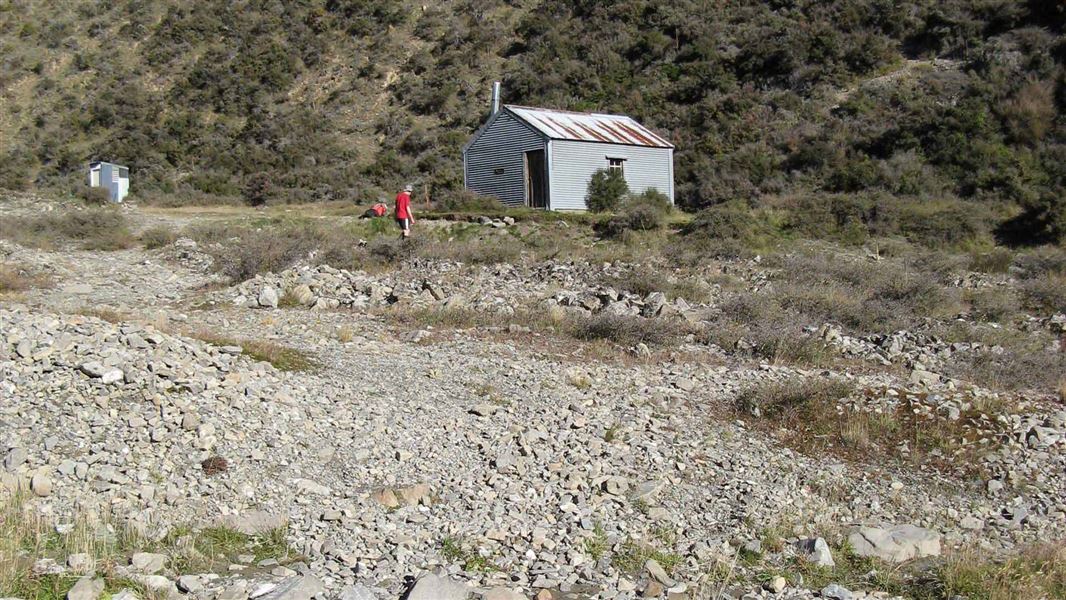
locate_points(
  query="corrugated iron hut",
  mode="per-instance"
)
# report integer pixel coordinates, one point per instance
(545, 158)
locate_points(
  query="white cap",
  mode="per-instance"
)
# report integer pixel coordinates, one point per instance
(408, 188)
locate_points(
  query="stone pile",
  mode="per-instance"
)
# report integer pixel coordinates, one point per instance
(499, 289)
(902, 347)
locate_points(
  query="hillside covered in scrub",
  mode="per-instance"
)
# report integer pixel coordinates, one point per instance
(901, 113)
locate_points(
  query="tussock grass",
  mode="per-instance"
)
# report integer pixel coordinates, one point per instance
(90, 229)
(1034, 573)
(624, 330)
(645, 280)
(26, 536)
(17, 278)
(808, 415)
(157, 237)
(283, 358)
(456, 551)
(633, 555)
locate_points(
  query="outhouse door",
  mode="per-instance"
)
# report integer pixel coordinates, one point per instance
(536, 180)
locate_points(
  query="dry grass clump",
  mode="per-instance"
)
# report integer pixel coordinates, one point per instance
(999, 304)
(623, 329)
(26, 536)
(283, 358)
(1045, 294)
(261, 251)
(808, 415)
(157, 237)
(16, 278)
(864, 296)
(242, 252)
(1035, 573)
(1026, 365)
(91, 229)
(644, 280)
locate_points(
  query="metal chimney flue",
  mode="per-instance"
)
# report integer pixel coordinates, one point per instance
(495, 97)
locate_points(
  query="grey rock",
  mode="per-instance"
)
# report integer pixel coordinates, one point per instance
(356, 592)
(158, 586)
(253, 523)
(816, 550)
(502, 593)
(776, 584)
(86, 588)
(268, 297)
(922, 377)
(15, 458)
(435, 587)
(148, 562)
(658, 573)
(836, 591)
(484, 410)
(41, 485)
(190, 584)
(895, 544)
(235, 591)
(80, 563)
(302, 587)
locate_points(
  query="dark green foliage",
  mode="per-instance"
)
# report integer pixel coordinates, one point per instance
(733, 220)
(643, 212)
(893, 103)
(257, 189)
(607, 188)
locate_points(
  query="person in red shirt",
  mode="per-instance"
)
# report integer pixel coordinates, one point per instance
(404, 215)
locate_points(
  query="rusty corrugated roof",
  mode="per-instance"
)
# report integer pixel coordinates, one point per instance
(589, 127)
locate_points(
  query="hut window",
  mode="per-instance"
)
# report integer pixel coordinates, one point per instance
(616, 164)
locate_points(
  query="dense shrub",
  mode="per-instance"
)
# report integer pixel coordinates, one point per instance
(157, 237)
(642, 212)
(94, 196)
(257, 189)
(744, 90)
(607, 189)
(261, 251)
(732, 220)
(623, 329)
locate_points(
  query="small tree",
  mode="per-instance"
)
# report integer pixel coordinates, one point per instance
(257, 189)
(606, 190)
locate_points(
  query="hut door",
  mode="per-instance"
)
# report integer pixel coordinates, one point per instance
(536, 180)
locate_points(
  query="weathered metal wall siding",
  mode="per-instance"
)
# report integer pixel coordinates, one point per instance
(108, 172)
(573, 163)
(501, 146)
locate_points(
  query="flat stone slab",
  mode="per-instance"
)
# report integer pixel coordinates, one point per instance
(895, 544)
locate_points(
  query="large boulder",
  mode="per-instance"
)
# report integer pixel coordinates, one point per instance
(268, 297)
(87, 588)
(253, 523)
(895, 544)
(296, 588)
(434, 587)
(816, 551)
